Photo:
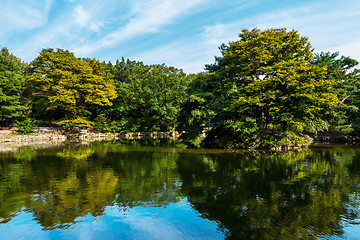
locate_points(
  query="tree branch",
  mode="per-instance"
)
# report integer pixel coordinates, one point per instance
(342, 101)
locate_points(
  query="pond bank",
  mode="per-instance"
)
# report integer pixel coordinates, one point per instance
(11, 139)
(51, 136)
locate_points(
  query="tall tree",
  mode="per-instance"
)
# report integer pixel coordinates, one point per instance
(271, 94)
(69, 86)
(149, 96)
(347, 79)
(11, 85)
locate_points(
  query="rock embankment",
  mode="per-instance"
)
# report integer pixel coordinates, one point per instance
(38, 137)
(86, 135)
(49, 135)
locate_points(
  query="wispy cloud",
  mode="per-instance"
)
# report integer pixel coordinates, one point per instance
(326, 24)
(18, 17)
(68, 27)
(325, 32)
(148, 17)
(351, 49)
(81, 16)
(86, 20)
(181, 33)
(87, 27)
(191, 54)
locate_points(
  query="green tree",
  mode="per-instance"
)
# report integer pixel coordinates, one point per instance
(342, 70)
(11, 86)
(68, 86)
(203, 107)
(149, 96)
(270, 93)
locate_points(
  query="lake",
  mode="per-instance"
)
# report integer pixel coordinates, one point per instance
(161, 190)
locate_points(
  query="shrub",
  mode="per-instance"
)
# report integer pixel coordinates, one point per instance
(26, 126)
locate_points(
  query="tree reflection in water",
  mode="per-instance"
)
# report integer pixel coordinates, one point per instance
(77, 181)
(258, 195)
(251, 195)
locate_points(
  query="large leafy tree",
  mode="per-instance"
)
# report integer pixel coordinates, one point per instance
(68, 86)
(11, 86)
(347, 78)
(204, 105)
(149, 96)
(270, 93)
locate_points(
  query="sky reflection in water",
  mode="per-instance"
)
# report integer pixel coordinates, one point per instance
(121, 191)
(177, 221)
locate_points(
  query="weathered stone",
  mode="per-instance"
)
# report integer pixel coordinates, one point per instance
(43, 135)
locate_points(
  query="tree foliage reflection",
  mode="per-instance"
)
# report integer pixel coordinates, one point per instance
(300, 195)
(61, 185)
(252, 195)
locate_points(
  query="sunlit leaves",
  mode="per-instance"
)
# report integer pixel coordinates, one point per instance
(261, 88)
(346, 85)
(69, 85)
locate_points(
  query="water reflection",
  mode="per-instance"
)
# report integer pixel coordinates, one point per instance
(275, 196)
(309, 194)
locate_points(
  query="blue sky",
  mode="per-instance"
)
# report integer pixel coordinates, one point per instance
(181, 33)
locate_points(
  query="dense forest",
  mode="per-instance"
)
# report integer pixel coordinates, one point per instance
(267, 89)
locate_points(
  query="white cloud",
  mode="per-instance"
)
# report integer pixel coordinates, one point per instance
(322, 27)
(351, 49)
(17, 17)
(85, 19)
(153, 227)
(148, 17)
(81, 16)
(327, 25)
(69, 29)
(190, 54)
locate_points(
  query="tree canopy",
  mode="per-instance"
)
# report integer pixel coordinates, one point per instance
(69, 85)
(270, 94)
(346, 85)
(11, 85)
(149, 96)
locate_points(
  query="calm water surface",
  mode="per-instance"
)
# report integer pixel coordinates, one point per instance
(119, 190)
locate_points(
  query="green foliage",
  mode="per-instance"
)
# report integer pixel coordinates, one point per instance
(112, 127)
(26, 155)
(292, 195)
(196, 142)
(149, 96)
(346, 78)
(68, 86)
(294, 139)
(264, 85)
(79, 122)
(26, 126)
(11, 86)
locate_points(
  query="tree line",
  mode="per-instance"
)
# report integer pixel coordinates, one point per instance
(267, 89)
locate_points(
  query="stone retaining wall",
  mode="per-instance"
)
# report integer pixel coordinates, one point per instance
(40, 136)
(46, 135)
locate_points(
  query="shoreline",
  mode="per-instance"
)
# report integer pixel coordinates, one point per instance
(11, 139)
(49, 136)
